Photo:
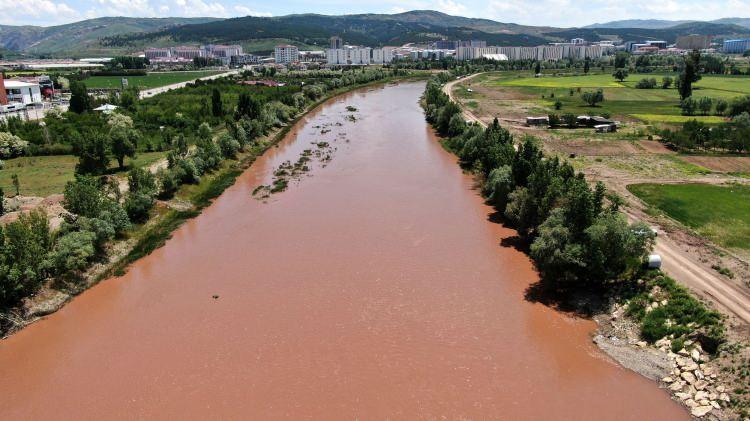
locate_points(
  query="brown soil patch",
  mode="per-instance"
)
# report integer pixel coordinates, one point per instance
(595, 147)
(720, 163)
(652, 146)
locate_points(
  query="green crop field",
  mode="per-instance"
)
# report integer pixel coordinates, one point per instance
(591, 81)
(45, 175)
(665, 118)
(720, 213)
(152, 80)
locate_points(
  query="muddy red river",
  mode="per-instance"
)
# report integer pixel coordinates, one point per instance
(374, 287)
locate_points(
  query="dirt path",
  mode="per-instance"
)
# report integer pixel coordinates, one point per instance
(732, 297)
(155, 91)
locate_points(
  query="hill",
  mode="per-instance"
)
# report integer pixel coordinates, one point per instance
(370, 30)
(667, 34)
(82, 36)
(663, 24)
(120, 35)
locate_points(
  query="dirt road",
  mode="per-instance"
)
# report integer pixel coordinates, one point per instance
(730, 297)
(151, 92)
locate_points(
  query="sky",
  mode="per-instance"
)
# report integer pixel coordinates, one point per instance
(560, 13)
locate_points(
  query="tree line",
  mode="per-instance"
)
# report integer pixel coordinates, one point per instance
(31, 253)
(576, 234)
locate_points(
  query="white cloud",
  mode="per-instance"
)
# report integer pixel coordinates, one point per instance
(450, 7)
(194, 8)
(18, 10)
(246, 11)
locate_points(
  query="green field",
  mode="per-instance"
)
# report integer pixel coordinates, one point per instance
(665, 118)
(720, 213)
(152, 80)
(620, 98)
(45, 175)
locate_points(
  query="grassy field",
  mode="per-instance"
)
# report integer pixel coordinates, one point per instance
(720, 213)
(621, 99)
(152, 80)
(45, 175)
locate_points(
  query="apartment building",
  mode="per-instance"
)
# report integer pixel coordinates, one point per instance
(541, 53)
(188, 53)
(285, 54)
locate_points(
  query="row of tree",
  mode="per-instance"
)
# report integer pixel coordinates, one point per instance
(733, 136)
(577, 236)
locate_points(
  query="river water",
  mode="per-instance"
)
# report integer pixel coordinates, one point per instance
(374, 287)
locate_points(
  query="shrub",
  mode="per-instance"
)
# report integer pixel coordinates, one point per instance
(229, 145)
(137, 206)
(168, 183)
(646, 83)
(72, 252)
(11, 145)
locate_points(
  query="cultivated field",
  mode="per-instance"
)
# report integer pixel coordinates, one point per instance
(152, 80)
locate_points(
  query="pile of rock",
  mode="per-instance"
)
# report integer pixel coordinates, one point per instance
(693, 381)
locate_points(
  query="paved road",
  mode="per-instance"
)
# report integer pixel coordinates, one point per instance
(155, 91)
(730, 297)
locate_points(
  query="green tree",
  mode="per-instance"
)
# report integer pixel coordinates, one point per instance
(620, 74)
(16, 184)
(217, 108)
(621, 60)
(689, 75)
(79, 98)
(538, 68)
(25, 243)
(666, 82)
(586, 65)
(92, 149)
(124, 143)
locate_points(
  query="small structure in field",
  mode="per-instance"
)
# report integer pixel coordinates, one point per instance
(606, 128)
(654, 261)
(592, 120)
(537, 121)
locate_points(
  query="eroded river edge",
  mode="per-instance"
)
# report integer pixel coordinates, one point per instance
(374, 288)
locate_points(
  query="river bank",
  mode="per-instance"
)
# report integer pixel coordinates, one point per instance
(188, 203)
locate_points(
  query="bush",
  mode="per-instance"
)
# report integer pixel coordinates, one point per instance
(137, 206)
(25, 243)
(141, 181)
(72, 252)
(11, 146)
(168, 183)
(646, 83)
(229, 145)
(593, 97)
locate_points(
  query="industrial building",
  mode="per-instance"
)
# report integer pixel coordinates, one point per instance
(736, 46)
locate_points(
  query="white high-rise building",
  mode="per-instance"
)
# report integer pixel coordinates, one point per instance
(285, 54)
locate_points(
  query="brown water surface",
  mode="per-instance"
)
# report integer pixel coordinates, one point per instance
(373, 288)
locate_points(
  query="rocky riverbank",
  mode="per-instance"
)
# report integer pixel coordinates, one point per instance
(692, 376)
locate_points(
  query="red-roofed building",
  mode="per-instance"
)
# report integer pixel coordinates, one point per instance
(3, 96)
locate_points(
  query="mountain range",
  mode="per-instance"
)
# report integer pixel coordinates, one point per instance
(121, 35)
(664, 24)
